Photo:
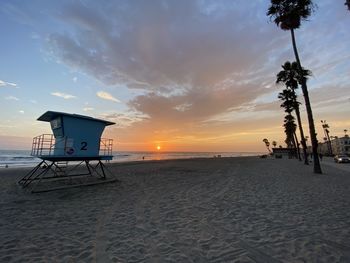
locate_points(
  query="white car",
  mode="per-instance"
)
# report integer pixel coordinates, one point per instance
(341, 159)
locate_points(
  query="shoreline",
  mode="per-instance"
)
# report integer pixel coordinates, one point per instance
(129, 161)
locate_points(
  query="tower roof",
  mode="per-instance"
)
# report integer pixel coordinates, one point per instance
(50, 115)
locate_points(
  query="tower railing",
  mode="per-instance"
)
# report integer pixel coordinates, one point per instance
(106, 147)
(45, 144)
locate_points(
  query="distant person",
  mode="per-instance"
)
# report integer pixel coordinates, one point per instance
(321, 156)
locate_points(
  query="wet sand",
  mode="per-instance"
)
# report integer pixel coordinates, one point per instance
(202, 210)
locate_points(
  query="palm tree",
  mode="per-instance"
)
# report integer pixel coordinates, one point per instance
(288, 98)
(325, 127)
(267, 144)
(274, 143)
(347, 3)
(289, 128)
(288, 14)
(291, 78)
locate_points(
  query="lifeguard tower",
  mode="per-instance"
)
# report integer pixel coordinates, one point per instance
(76, 138)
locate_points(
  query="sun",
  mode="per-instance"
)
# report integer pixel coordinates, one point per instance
(158, 147)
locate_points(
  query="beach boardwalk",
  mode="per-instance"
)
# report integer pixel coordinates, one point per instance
(76, 138)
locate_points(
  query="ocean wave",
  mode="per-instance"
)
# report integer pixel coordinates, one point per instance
(17, 158)
(23, 158)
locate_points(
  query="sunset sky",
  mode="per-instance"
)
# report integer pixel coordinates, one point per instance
(179, 74)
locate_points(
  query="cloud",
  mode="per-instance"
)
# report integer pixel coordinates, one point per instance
(322, 94)
(21, 111)
(196, 63)
(5, 83)
(124, 120)
(11, 98)
(75, 79)
(169, 48)
(88, 109)
(35, 35)
(106, 96)
(63, 95)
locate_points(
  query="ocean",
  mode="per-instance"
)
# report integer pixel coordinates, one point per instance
(22, 158)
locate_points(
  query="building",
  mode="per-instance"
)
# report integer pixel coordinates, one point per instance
(286, 152)
(340, 145)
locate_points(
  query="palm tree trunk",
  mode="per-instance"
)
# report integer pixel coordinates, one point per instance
(317, 165)
(297, 146)
(330, 144)
(293, 145)
(303, 143)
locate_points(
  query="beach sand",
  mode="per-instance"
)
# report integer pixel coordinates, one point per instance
(201, 210)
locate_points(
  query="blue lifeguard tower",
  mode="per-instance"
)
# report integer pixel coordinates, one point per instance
(75, 138)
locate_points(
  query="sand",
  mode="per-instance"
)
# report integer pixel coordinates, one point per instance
(206, 210)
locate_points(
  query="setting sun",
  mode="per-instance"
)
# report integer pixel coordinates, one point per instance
(158, 147)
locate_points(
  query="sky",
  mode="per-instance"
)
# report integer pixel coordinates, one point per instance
(179, 74)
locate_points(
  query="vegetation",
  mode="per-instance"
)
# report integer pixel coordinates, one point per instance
(325, 127)
(289, 129)
(291, 78)
(288, 14)
(267, 144)
(288, 97)
(274, 144)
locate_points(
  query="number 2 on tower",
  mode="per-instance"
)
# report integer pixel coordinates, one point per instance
(83, 146)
